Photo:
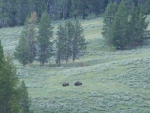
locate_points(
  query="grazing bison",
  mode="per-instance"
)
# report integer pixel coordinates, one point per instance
(65, 84)
(78, 83)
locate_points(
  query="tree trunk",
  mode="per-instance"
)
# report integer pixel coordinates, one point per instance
(65, 9)
(42, 63)
(83, 14)
(73, 59)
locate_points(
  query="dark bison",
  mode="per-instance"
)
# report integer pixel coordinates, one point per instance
(78, 83)
(65, 84)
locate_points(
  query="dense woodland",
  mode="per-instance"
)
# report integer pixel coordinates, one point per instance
(125, 25)
(15, 12)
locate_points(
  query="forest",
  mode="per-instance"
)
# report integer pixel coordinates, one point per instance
(70, 56)
(15, 12)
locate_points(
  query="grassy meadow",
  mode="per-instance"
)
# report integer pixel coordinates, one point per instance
(113, 81)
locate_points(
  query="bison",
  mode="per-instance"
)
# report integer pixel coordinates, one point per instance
(65, 84)
(78, 83)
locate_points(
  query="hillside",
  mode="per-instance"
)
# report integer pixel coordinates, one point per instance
(113, 81)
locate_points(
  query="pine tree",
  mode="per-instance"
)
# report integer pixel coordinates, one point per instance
(7, 13)
(13, 97)
(44, 39)
(98, 6)
(78, 42)
(108, 20)
(80, 7)
(127, 28)
(26, 50)
(144, 5)
(25, 101)
(60, 44)
(132, 25)
(9, 90)
(69, 37)
(141, 27)
(1, 56)
(70, 41)
(38, 6)
(31, 35)
(22, 49)
(22, 11)
(120, 27)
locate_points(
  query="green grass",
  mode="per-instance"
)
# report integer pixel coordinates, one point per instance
(113, 81)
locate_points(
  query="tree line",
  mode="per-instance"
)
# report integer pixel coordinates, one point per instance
(14, 12)
(40, 44)
(125, 25)
(13, 93)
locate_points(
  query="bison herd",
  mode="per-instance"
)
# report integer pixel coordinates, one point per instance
(76, 84)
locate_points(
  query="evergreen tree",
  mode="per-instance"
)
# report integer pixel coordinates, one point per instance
(80, 7)
(144, 4)
(78, 42)
(120, 27)
(132, 25)
(60, 44)
(22, 11)
(70, 41)
(69, 37)
(22, 49)
(44, 39)
(1, 56)
(7, 13)
(31, 34)
(65, 8)
(25, 51)
(98, 6)
(38, 6)
(108, 20)
(24, 99)
(127, 28)
(140, 29)
(13, 97)
(9, 90)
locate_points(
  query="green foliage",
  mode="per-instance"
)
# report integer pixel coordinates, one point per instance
(60, 44)
(25, 51)
(44, 39)
(12, 95)
(22, 11)
(1, 56)
(14, 12)
(98, 6)
(119, 26)
(138, 26)
(144, 4)
(113, 82)
(70, 31)
(70, 41)
(125, 28)
(78, 43)
(9, 91)
(25, 101)
(21, 52)
(7, 13)
(109, 16)
(37, 6)
(31, 35)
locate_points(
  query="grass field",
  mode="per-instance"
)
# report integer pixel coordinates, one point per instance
(113, 81)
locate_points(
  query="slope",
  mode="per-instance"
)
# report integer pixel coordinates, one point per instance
(113, 81)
